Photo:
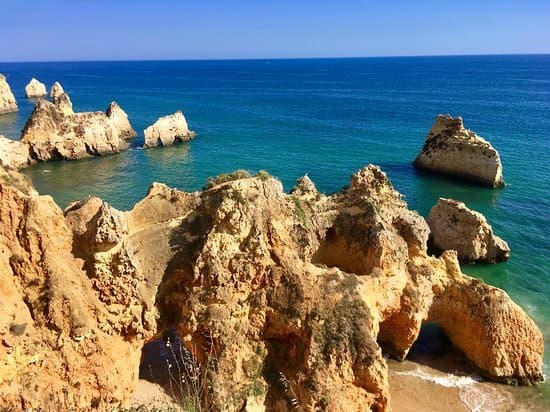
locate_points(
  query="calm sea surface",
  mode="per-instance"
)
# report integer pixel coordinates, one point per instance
(327, 118)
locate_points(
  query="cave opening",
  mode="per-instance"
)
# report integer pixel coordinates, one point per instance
(433, 348)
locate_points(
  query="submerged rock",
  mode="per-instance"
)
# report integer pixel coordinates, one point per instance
(454, 226)
(281, 299)
(168, 130)
(35, 89)
(54, 131)
(7, 99)
(452, 150)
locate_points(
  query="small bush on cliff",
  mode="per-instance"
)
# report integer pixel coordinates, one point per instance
(263, 175)
(225, 177)
(299, 210)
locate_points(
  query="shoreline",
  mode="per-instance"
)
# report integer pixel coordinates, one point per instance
(417, 387)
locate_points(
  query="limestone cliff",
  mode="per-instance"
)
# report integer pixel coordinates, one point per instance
(452, 150)
(454, 226)
(168, 130)
(7, 99)
(281, 299)
(55, 131)
(35, 89)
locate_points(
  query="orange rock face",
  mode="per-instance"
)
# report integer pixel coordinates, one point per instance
(281, 299)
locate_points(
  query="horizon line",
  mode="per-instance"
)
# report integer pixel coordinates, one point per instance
(272, 58)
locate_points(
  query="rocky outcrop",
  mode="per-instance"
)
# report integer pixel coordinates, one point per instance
(60, 99)
(452, 150)
(280, 299)
(168, 130)
(14, 154)
(35, 89)
(54, 131)
(454, 226)
(7, 99)
(59, 345)
(119, 119)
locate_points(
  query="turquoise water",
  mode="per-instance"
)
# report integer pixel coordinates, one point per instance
(326, 117)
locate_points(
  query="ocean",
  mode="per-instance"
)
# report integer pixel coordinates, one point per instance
(326, 118)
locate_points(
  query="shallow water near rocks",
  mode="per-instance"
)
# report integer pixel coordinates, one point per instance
(327, 118)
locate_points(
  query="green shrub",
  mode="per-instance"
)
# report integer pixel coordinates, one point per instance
(225, 177)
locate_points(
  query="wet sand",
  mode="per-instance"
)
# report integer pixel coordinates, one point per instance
(417, 387)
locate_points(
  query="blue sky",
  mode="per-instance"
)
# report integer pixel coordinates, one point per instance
(41, 30)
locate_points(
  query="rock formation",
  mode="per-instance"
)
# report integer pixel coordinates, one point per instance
(281, 299)
(54, 131)
(61, 99)
(14, 154)
(454, 226)
(35, 89)
(452, 150)
(119, 119)
(168, 130)
(7, 99)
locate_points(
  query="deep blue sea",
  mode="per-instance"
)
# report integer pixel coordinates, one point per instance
(327, 118)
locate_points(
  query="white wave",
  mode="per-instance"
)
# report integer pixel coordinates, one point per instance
(475, 395)
(447, 380)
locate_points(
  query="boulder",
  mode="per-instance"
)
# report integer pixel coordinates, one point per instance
(452, 150)
(14, 154)
(35, 89)
(168, 130)
(7, 99)
(455, 227)
(277, 299)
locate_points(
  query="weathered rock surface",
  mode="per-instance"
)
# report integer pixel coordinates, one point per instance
(60, 347)
(61, 99)
(168, 130)
(14, 154)
(35, 89)
(452, 150)
(7, 99)
(54, 131)
(258, 285)
(454, 226)
(119, 119)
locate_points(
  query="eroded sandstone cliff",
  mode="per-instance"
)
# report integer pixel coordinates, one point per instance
(7, 99)
(452, 150)
(281, 298)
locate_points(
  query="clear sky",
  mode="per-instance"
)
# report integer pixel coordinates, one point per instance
(40, 30)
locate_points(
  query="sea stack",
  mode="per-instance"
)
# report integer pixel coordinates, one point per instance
(35, 89)
(54, 131)
(168, 130)
(454, 226)
(454, 151)
(8, 103)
